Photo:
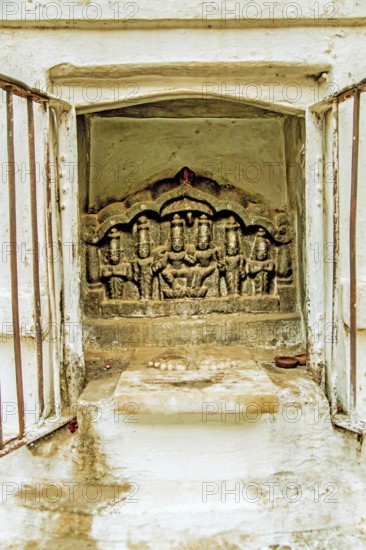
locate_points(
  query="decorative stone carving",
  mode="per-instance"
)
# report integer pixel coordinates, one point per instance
(174, 263)
(284, 263)
(92, 265)
(142, 271)
(117, 270)
(233, 265)
(261, 267)
(187, 242)
(205, 258)
(114, 246)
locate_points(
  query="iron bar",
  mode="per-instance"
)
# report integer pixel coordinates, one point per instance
(335, 164)
(13, 260)
(343, 95)
(21, 90)
(14, 88)
(35, 244)
(49, 248)
(12, 444)
(353, 251)
(50, 253)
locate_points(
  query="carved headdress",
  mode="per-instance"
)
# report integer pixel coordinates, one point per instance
(143, 230)
(177, 227)
(204, 228)
(232, 233)
(261, 246)
(143, 237)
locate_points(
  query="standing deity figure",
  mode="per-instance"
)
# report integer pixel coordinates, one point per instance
(118, 270)
(260, 266)
(142, 273)
(174, 262)
(233, 263)
(205, 256)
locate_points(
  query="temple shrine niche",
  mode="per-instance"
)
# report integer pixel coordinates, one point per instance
(188, 246)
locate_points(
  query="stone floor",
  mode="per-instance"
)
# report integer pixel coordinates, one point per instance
(191, 458)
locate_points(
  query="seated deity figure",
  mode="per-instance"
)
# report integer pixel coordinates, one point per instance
(174, 263)
(118, 270)
(205, 256)
(142, 273)
(260, 267)
(232, 266)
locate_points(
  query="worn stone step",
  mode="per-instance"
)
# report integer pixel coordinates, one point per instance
(222, 410)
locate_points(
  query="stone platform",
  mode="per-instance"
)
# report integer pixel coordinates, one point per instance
(200, 380)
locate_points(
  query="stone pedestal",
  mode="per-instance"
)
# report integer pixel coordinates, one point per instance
(207, 382)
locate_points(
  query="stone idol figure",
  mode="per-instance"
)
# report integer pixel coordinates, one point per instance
(184, 268)
(205, 257)
(232, 266)
(174, 263)
(260, 267)
(142, 263)
(118, 269)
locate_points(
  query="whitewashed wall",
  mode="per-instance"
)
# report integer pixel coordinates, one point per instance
(286, 60)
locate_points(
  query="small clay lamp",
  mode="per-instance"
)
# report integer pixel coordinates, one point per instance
(286, 362)
(301, 358)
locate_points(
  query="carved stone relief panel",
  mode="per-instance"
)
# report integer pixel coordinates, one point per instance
(188, 246)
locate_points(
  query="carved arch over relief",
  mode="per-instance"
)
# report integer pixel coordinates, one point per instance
(188, 245)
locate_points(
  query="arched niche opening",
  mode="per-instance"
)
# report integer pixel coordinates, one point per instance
(245, 170)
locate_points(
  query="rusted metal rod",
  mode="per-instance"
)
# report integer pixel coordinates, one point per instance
(34, 224)
(49, 248)
(335, 164)
(352, 245)
(21, 90)
(13, 260)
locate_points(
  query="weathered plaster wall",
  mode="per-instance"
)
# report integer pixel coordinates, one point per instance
(292, 64)
(338, 327)
(302, 49)
(279, 62)
(129, 154)
(294, 146)
(109, 63)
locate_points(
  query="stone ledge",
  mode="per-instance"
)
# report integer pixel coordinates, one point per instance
(271, 330)
(167, 308)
